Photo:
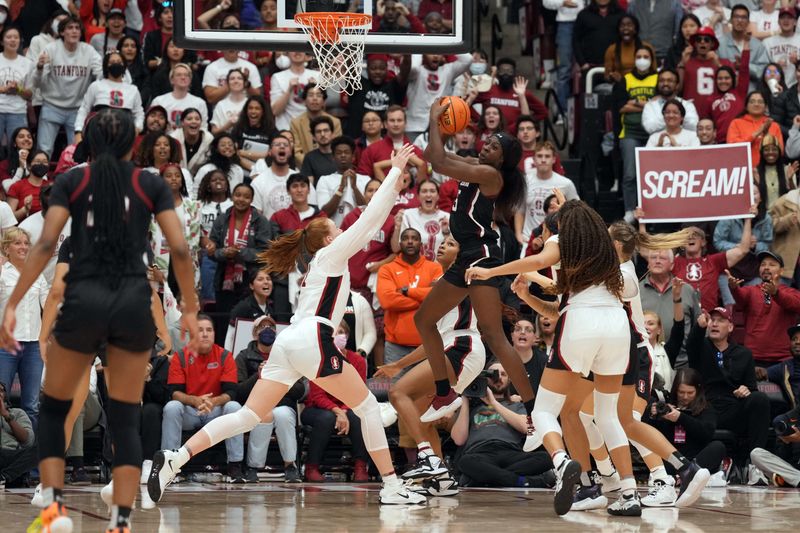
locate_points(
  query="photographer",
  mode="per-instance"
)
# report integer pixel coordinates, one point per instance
(688, 421)
(782, 469)
(17, 452)
(491, 430)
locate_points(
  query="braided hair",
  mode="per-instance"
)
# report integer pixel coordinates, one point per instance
(588, 256)
(109, 135)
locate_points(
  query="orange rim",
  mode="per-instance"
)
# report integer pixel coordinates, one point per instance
(324, 26)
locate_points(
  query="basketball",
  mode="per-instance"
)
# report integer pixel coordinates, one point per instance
(456, 116)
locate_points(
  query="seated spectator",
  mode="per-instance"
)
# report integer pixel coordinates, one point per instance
(319, 161)
(786, 228)
(19, 152)
(203, 385)
(360, 319)
(728, 100)
(620, 57)
(378, 92)
(688, 26)
(491, 430)
(88, 418)
(23, 195)
(221, 156)
(695, 64)
(380, 152)
(770, 309)
(254, 131)
(773, 178)
(269, 178)
(729, 377)
(215, 86)
(286, 88)
(180, 99)
(227, 110)
(631, 93)
(666, 90)
(707, 132)
(325, 414)
(783, 468)
(786, 373)
(249, 363)
(339, 193)
(728, 235)
(304, 125)
(528, 135)
(531, 350)
(784, 47)
(673, 134)
(690, 421)
(512, 99)
(731, 49)
(300, 212)
(155, 396)
(238, 236)
(255, 305)
(427, 219)
(17, 439)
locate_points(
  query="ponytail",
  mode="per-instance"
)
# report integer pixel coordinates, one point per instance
(295, 249)
(632, 240)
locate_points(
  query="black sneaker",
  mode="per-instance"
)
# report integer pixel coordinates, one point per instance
(79, 477)
(568, 475)
(588, 498)
(235, 474)
(291, 474)
(626, 505)
(251, 475)
(693, 481)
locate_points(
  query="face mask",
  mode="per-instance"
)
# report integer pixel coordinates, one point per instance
(505, 81)
(3, 17)
(39, 169)
(283, 62)
(116, 70)
(340, 341)
(642, 64)
(476, 69)
(54, 27)
(267, 336)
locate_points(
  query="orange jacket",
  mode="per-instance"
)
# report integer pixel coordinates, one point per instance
(743, 128)
(398, 309)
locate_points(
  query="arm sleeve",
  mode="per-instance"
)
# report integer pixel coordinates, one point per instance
(229, 371)
(722, 236)
(694, 346)
(675, 342)
(364, 317)
(749, 376)
(138, 111)
(691, 119)
(765, 235)
(775, 373)
(538, 109)
(86, 105)
(793, 144)
(652, 120)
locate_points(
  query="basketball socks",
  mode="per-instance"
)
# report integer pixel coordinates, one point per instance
(50, 495)
(442, 387)
(120, 517)
(677, 460)
(390, 479)
(183, 456)
(605, 467)
(424, 448)
(628, 486)
(659, 473)
(585, 480)
(559, 457)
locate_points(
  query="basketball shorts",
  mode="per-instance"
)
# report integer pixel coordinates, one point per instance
(467, 355)
(592, 339)
(484, 256)
(640, 370)
(304, 349)
(94, 314)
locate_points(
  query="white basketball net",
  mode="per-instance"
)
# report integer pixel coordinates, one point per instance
(338, 43)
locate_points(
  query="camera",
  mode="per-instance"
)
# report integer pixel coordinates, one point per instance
(477, 389)
(662, 408)
(786, 423)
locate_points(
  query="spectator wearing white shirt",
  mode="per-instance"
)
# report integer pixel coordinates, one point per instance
(339, 193)
(429, 78)
(27, 362)
(179, 99)
(764, 22)
(432, 223)
(784, 48)
(286, 88)
(48, 35)
(223, 156)
(215, 85)
(15, 84)
(667, 85)
(714, 14)
(214, 195)
(269, 182)
(227, 110)
(674, 133)
(194, 139)
(34, 224)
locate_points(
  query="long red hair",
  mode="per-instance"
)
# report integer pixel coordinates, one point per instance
(284, 252)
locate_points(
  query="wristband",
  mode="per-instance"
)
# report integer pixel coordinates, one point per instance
(338, 193)
(679, 300)
(362, 352)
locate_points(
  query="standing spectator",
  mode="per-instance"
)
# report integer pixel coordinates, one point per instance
(17, 450)
(63, 73)
(688, 27)
(194, 139)
(34, 225)
(528, 135)
(764, 22)
(595, 30)
(380, 152)
(697, 67)
(24, 195)
(402, 285)
(731, 44)
(179, 100)
(319, 161)
(214, 196)
(620, 57)
(39, 24)
(27, 362)
(753, 125)
(442, 7)
(254, 305)
(269, 179)
(491, 122)
(511, 95)
(215, 84)
(249, 363)
(785, 213)
(15, 84)
(16, 164)
(227, 110)
(302, 130)
(715, 14)
(378, 91)
(108, 39)
(729, 377)
(222, 156)
(431, 222)
(727, 103)
(139, 75)
(156, 150)
(666, 89)
(159, 81)
(155, 40)
(339, 193)
(770, 309)
(203, 385)
(784, 47)
(300, 212)
(429, 78)
(254, 131)
(673, 134)
(728, 235)
(659, 21)
(631, 94)
(566, 13)
(771, 85)
(285, 88)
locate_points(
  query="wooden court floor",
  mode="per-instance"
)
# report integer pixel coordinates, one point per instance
(344, 508)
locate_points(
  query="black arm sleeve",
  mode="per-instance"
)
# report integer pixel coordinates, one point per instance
(675, 342)
(694, 346)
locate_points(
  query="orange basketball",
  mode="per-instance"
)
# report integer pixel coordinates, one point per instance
(456, 117)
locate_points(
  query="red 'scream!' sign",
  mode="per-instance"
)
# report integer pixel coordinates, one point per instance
(693, 184)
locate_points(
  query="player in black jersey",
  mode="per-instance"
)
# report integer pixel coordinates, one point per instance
(491, 186)
(107, 301)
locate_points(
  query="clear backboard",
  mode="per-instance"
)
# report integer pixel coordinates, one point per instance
(409, 35)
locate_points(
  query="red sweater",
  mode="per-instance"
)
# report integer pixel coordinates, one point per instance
(321, 399)
(766, 325)
(698, 83)
(726, 107)
(382, 151)
(509, 105)
(288, 219)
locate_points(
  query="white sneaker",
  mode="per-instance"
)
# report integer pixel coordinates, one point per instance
(147, 464)
(609, 483)
(756, 477)
(37, 500)
(107, 494)
(398, 494)
(428, 465)
(717, 480)
(442, 485)
(662, 494)
(162, 473)
(588, 498)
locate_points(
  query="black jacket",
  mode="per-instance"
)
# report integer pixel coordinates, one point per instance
(593, 34)
(738, 367)
(699, 430)
(261, 232)
(247, 363)
(784, 108)
(248, 309)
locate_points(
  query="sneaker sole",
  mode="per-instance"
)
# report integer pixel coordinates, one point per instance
(532, 442)
(633, 511)
(402, 502)
(153, 481)
(591, 504)
(425, 475)
(658, 504)
(695, 488)
(562, 502)
(429, 416)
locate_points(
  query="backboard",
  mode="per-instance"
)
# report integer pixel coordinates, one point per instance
(287, 36)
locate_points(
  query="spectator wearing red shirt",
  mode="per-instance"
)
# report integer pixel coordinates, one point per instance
(23, 196)
(770, 309)
(528, 135)
(325, 414)
(202, 386)
(300, 213)
(731, 92)
(375, 161)
(443, 7)
(699, 69)
(511, 95)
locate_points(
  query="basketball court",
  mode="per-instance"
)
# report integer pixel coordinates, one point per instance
(341, 507)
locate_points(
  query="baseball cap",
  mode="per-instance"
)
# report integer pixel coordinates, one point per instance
(773, 255)
(724, 313)
(790, 11)
(263, 318)
(115, 11)
(792, 330)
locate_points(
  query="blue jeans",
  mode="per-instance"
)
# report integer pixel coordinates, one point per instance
(285, 425)
(564, 32)
(208, 268)
(51, 119)
(178, 417)
(8, 123)
(28, 364)
(627, 146)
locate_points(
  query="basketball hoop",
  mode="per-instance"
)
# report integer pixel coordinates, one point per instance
(338, 43)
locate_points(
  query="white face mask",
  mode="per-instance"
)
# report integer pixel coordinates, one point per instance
(3, 16)
(340, 341)
(642, 64)
(54, 26)
(283, 62)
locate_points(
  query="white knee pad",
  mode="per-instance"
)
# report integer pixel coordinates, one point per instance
(641, 448)
(546, 410)
(592, 432)
(371, 425)
(230, 425)
(605, 408)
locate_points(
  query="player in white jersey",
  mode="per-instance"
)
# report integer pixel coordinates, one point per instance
(306, 348)
(465, 356)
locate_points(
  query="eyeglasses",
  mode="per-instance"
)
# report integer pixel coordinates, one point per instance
(703, 39)
(521, 330)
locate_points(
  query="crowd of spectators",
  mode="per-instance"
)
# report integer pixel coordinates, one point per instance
(253, 148)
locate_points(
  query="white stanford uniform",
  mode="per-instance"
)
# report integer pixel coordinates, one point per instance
(462, 343)
(305, 348)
